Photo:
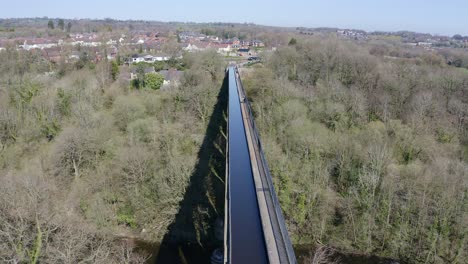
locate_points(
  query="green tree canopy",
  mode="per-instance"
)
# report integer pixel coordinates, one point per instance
(69, 25)
(114, 70)
(154, 80)
(61, 24)
(292, 42)
(50, 24)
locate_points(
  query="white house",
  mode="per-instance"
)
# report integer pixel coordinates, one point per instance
(161, 57)
(86, 43)
(191, 47)
(38, 44)
(224, 49)
(199, 46)
(137, 59)
(150, 58)
(425, 44)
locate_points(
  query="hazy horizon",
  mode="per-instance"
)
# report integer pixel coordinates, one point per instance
(233, 22)
(431, 16)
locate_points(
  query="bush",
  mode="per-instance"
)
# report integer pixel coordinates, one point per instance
(64, 102)
(444, 136)
(154, 81)
(114, 70)
(125, 216)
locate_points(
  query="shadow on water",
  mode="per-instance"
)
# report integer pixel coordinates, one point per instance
(191, 237)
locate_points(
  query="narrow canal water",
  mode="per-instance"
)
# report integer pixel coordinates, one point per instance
(246, 233)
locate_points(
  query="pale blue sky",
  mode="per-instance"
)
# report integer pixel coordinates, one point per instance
(432, 16)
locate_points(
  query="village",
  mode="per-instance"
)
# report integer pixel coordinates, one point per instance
(133, 48)
(138, 47)
(157, 50)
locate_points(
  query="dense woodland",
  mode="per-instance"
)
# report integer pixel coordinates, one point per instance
(369, 153)
(367, 144)
(87, 162)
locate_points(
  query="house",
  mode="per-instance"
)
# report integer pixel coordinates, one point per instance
(198, 46)
(111, 42)
(89, 36)
(189, 47)
(171, 77)
(149, 58)
(38, 43)
(223, 49)
(86, 43)
(75, 55)
(161, 57)
(189, 35)
(111, 53)
(235, 43)
(136, 59)
(134, 72)
(149, 70)
(213, 38)
(425, 44)
(256, 43)
(244, 52)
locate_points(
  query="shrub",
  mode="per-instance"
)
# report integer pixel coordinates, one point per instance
(444, 136)
(126, 217)
(114, 70)
(63, 102)
(154, 81)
